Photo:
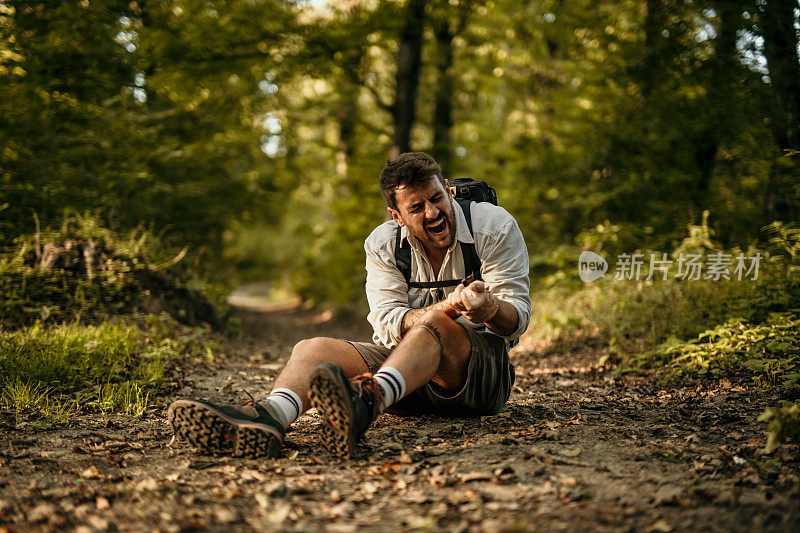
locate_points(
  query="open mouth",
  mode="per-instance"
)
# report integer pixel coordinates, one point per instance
(437, 229)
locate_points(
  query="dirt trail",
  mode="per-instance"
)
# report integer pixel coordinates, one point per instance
(577, 448)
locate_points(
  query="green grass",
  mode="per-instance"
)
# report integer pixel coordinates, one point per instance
(66, 356)
(128, 396)
(52, 372)
(20, 395)
(73, 333)
(633, 316)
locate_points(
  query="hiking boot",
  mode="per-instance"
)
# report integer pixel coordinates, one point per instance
(347, 407)
(246, 431)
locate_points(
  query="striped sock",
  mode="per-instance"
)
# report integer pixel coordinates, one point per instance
(284, 404)
(392, 383)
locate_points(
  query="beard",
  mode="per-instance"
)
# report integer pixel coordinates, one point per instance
(441, 240)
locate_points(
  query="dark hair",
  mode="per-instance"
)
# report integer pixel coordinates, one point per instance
(408, 170)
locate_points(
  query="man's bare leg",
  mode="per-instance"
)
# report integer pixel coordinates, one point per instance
(257, 430)
(307, 354)
(436, 349)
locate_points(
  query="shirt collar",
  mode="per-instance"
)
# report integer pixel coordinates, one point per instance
(462, 230)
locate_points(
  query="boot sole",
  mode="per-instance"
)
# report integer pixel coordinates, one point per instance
(329, 396)
(212, 431)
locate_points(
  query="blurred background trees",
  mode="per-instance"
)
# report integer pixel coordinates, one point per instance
(254, 130)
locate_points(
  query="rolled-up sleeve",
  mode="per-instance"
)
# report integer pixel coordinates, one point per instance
(505, 269)
(386, 294)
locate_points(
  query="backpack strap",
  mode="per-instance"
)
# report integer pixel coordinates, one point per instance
(472, 263)
(402, 256)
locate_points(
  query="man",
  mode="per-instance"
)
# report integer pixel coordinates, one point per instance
(435, 351)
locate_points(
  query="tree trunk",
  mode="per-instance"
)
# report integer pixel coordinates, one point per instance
(409, 62)
(654, 25)
(347, 113)
(443, 110)
(780, 47)
(724, 110)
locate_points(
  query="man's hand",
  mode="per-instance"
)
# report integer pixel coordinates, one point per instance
(478, 305)
(476, 302)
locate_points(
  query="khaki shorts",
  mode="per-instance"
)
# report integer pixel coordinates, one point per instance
(490, 376)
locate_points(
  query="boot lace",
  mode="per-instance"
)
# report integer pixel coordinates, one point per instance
(368, 389)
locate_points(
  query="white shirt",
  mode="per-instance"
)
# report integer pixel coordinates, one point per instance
(504, 267)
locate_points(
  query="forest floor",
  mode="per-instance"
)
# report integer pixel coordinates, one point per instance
(577, 448)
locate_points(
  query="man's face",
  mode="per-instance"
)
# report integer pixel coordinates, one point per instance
(427, 211)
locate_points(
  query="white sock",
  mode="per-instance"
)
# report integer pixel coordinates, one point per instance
(392, 383)
(283, 404)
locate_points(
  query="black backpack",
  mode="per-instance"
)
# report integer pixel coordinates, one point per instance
(466, 191)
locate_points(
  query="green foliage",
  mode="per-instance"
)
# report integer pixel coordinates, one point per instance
(733, 318)
(57, 370)
(123, 109)
(768, 352)
(254, 132)
(783, 425)
(634, 316)
(84, 272)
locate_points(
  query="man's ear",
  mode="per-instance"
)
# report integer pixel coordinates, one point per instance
(396, 216)
(448, 189)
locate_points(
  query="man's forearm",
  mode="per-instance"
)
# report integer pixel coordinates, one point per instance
(505, 321)
(413, 316)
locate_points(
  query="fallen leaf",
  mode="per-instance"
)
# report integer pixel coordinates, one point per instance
(91, 473)
(661, 526)
(569, 481)
(41, 512)
(98, 523)
(262, 500)
(280, 514)
(391, 466)
(101, 503)
(146, 484)
(227, 516)
(474, 476)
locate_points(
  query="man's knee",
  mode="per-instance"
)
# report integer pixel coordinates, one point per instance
(438, 318)
(313, 347)
(449, 332)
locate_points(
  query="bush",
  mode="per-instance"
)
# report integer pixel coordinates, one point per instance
(636, 316)
(768, 352)
(86, 273)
